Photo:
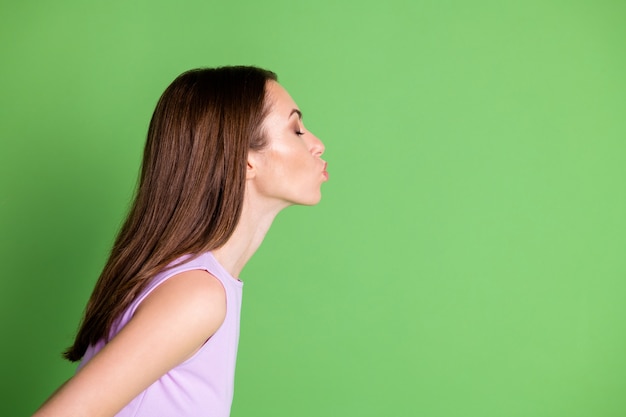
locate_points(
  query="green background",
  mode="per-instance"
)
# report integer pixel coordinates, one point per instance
(468, 257)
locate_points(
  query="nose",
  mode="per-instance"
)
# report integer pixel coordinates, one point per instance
(316, 146)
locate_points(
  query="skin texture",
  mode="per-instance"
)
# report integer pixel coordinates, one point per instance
(177, 318)
(290, 170)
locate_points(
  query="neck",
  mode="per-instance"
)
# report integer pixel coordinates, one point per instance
(247, 237)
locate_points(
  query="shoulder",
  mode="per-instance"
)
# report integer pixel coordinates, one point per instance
(195, 299)
(168, 327)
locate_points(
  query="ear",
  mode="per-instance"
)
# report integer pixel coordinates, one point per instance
(251, 167)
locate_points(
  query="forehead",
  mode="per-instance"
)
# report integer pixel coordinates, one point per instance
(279, 99)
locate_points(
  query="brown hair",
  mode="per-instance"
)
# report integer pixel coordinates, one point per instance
(190, 189)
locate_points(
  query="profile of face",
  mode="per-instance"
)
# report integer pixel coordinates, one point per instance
(289, 170)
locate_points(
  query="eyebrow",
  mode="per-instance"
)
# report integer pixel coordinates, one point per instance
(296, 111)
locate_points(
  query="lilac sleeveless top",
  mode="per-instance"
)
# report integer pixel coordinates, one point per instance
(203, 385)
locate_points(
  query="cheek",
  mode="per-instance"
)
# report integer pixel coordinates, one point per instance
(289, 160)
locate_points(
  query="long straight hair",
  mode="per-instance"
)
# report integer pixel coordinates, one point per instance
(190, 190)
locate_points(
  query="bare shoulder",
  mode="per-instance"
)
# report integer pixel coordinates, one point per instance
(172, 323)
(195, 297)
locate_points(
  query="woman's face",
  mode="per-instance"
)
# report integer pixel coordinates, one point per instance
(289, 170)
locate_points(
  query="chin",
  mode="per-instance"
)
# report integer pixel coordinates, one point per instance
(315, 201)
(309, 200)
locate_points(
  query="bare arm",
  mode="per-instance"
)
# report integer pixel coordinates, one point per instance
(169, 326)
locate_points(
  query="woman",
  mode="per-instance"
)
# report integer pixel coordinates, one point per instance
(226, 151)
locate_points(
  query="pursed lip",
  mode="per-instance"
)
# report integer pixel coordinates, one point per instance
(324, 171)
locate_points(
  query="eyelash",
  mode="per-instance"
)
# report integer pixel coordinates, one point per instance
(299, 132)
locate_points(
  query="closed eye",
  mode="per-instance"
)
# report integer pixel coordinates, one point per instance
(299, 132)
